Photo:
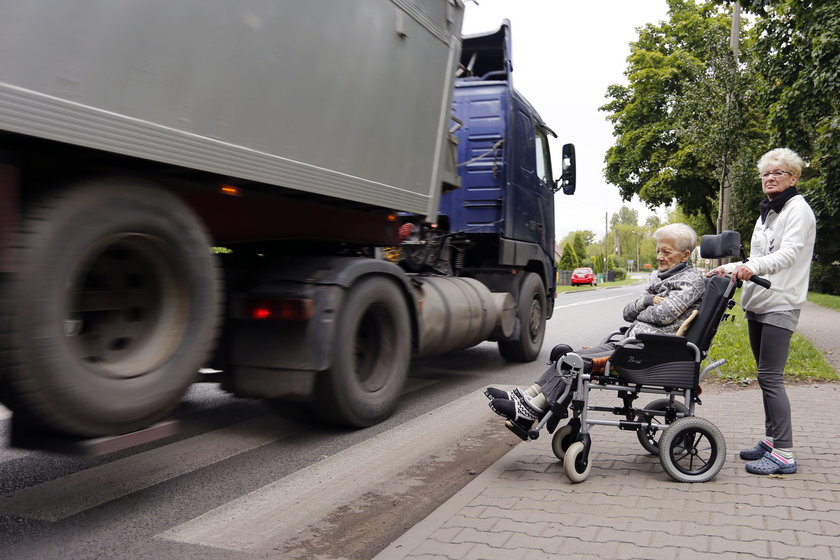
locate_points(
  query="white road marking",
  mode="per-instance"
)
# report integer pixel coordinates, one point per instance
(60, 498)
(280, 512)
(587, 302)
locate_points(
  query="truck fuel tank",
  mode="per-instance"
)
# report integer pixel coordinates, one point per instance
(456, 313)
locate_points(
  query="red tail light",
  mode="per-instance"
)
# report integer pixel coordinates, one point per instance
(280, 309)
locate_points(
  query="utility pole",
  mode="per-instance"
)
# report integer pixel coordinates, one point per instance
(725, 183)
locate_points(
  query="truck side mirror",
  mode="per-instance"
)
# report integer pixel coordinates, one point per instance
(568, 176)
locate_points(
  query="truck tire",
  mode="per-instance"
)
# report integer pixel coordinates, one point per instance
(113, 307)
(531, 313)
(372, 352)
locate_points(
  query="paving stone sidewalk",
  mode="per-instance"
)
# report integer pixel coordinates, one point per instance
(524, 507)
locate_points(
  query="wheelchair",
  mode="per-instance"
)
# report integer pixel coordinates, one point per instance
(690, 449)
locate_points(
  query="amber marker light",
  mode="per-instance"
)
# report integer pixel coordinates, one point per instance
(230, 190)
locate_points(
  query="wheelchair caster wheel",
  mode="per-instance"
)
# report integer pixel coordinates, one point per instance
(576, 465)
(692, 450)
(533, 434)
(563, 438)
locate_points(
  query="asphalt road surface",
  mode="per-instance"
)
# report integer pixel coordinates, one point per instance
(241, 481)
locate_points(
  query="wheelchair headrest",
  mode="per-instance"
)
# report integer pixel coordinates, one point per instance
(723, 245)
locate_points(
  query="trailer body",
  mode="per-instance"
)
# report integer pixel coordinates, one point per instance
(272, 189)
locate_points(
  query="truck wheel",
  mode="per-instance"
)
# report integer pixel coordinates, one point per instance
(371, 356)
(531, 312)
(112, 309)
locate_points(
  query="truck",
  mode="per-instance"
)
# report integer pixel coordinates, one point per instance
(300, 197)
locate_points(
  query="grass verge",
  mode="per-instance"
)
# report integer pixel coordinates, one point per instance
(805, 362)
(825, 300)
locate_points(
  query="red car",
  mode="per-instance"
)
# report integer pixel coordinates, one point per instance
(584, 276)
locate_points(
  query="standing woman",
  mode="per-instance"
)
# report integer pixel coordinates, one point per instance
(781, 250)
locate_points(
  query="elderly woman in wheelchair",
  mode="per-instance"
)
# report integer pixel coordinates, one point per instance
(671, 297)
(673, 324)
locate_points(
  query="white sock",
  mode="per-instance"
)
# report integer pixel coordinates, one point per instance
(540, 402)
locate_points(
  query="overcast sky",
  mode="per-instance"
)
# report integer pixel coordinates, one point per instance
(565, 54)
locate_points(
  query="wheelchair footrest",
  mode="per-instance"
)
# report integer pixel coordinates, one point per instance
(523, 434)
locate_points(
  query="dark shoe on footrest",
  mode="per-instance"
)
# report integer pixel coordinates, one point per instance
(520, 413)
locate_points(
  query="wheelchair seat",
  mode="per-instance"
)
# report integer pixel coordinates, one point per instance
(674, 361)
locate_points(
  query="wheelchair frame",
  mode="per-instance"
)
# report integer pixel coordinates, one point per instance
(690, 449)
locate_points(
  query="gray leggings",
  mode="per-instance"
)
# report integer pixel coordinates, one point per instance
(550, 381)
(770, 347)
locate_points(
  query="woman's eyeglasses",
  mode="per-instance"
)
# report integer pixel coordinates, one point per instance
(776, 174)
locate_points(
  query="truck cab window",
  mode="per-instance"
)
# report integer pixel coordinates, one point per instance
(543, 158)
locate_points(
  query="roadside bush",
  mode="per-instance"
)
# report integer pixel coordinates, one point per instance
(620, 273)
(825, 279)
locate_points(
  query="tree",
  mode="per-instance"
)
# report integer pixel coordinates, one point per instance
(799, 56)
(568, 260)
(657, 154)
(626, 216)
(579, 246)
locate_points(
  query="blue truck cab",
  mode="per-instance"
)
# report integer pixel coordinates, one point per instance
(505, 203)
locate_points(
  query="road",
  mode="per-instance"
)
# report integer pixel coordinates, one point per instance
(238, 481)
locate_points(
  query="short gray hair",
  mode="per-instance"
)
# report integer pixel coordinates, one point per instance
(782, 157)
(684, 238)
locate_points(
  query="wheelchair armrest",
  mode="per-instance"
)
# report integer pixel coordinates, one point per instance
(609, 337)
(668, 339)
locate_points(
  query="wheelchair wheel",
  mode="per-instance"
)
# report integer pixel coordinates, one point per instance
(576, 465)
(649, 437)
(563, 438)
(692, 449)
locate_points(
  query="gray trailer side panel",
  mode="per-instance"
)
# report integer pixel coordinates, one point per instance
(337, 98)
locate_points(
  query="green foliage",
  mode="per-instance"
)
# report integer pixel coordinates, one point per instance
(697, 223)
(620, 274)
(579, 246)
(798, 53)
(826, 300)
(825, 278)
(597, 262)
(666, 149)
(626, 216)
(569, 260)
(805, 363)
(693, 117)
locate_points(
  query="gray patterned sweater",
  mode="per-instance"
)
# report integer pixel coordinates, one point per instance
(682, 287)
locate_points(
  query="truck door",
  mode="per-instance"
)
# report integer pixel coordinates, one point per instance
(530, 203)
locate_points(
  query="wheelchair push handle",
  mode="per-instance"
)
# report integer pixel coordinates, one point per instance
(763, 282)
